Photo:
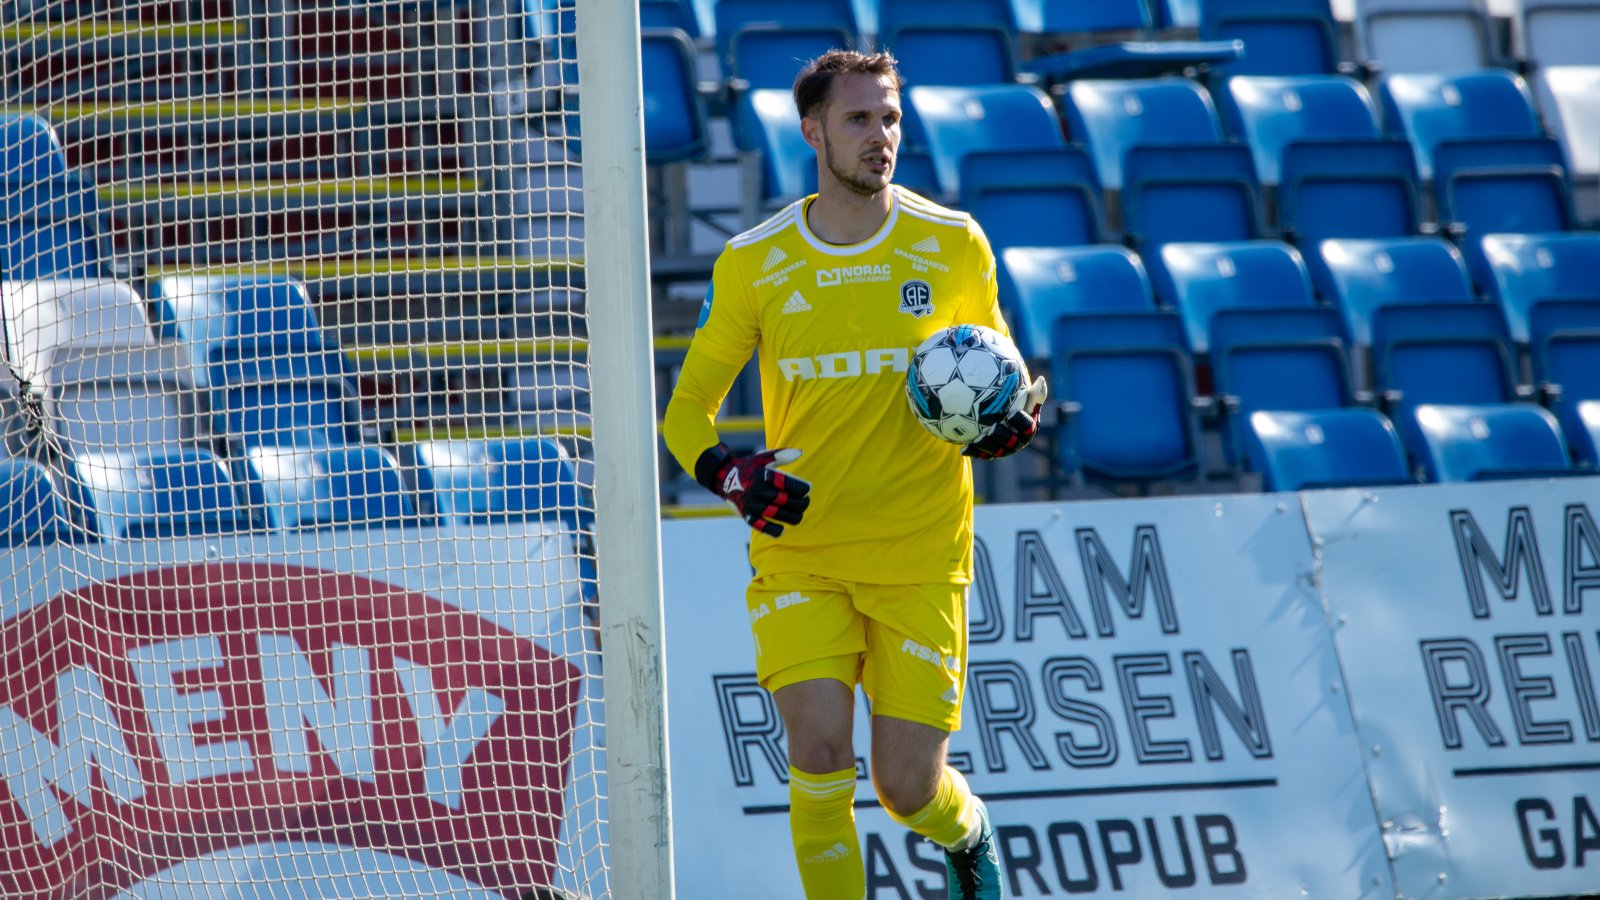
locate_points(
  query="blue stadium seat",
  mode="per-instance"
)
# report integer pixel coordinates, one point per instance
(674, 115)
(344, 487)
(1277, 359)
(1194, 193)
(1569, 97)
(1530, 269)
(1559, 32)
(1281, 37)
(1501, 185)
(1585, 440)
(500, 481)
(950, 122)
(1563, 350)
(926, 36)
(1432, 109)
(1270, 113)
(30, 151)
(1208, 278)
(677, 14)
(32, 510)
(1111, 117)
(1489, 442)
(1330, 448)
(1458, 353)
(766, 120)
(1044, 198)
(1076, 17)
(160, 494)
(733, 16)
(276, 397)
(1039, 285)
(204, 313)
(1139, 58)
(1366, 275)
(770, 56)
(52, 224)
(1406, 36)
(1129, 402)
(1348, 189)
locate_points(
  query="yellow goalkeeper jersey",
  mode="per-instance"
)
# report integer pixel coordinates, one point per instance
(834, 327)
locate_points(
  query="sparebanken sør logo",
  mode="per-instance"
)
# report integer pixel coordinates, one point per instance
(173, 713)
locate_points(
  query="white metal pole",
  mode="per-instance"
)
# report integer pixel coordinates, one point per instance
(627, 515)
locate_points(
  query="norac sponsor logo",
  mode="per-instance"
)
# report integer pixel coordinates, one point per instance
(852, 275)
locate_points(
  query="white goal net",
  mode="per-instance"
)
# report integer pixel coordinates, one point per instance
(297, 581)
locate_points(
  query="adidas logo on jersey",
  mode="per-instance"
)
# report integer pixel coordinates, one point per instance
(775, 257)
(796, 304)
(929, 244)
(950, 695)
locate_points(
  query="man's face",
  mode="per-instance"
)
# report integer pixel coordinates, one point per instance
(858, 133)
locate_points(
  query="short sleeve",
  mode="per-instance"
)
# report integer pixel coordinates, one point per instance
(980, 293)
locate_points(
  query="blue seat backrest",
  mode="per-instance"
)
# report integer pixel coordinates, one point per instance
(1443, 353)
(1325, 449)
(924, 52)
(677, 14)
(1070, 16)
(1368, 274)
(1194, 193)
(1033, 197)
(1278, 358)
(32, 511)
(674, 115)
(310, 412)
(950, 122)
(771, 57)
(894, 15)
(1564, 344)
(30, 151)
(766, 120)
(734, 15)
(162, 494)
(524, 479)
(1431, 109)
(1040, 284)
(1349, 189)
(1271, 112)
(1529, 268)
(1134, 390)
(1281, 37)
(1207, 278)
(1018, 168)
(1490, 441)
(313, 488)
(1111, 117)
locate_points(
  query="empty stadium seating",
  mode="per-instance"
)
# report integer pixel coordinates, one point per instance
(950, 122)
(1488, 442)
(770, 56)
(32, 509)
(299, 488)
(1530, 269)
(1364, 276)
(1044, 198)
(733, 16)
(1563, 349)
(1281, 37)
(1559, 32)
(926, 36)
(1270, 113)
(1112, 117)
(1129, 407)
(1208, 278)
(1435, 109)
(499, 481)
(1348, 189)
(157, 494)
(675, 119)
(1332, 448)
(1039, 285)
(1569, 97)
(1188, 193)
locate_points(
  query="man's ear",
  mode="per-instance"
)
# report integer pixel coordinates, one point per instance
(811, 130)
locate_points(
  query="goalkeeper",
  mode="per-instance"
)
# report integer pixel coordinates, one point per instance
(863, 520)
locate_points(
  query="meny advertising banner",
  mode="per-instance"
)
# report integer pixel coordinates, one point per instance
(1154, 708)
(370, 713)
(1469, 627)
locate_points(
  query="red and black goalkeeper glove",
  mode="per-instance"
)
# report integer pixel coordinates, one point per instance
(1016, 429)
(767, 498)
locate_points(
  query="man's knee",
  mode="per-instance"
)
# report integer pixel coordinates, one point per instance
(905, 786)
(819, 753)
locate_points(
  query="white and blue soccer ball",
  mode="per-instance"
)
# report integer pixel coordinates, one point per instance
(963, 381)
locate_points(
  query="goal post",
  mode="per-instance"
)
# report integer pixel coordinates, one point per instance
(628, 533)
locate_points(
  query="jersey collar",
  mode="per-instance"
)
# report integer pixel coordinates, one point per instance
(823, 246)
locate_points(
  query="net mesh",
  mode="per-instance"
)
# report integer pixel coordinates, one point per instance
(296, 587)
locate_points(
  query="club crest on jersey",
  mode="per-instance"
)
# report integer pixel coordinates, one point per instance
(916, 298)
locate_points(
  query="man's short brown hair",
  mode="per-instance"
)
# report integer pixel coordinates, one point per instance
(815, 82)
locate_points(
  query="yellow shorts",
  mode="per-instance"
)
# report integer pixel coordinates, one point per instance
(905, 643)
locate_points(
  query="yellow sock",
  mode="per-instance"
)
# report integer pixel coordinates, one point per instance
(950, 819)
(822, 823)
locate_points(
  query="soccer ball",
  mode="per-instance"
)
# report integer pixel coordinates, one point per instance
(963, 381)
